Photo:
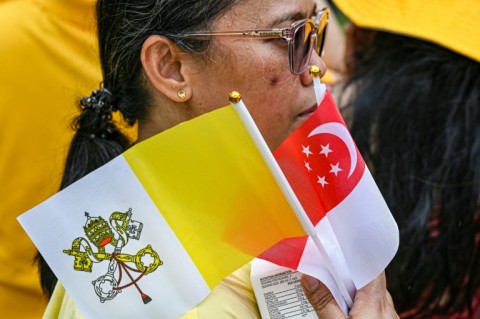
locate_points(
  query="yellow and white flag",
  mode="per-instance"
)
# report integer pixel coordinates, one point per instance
(153, 231)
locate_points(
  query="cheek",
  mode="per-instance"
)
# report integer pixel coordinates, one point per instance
(276, 74)
(274, 80)
(273, 119)
(267, 63)
(273, 101)
(262, 76)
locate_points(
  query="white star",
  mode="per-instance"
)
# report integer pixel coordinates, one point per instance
(322, 181)
(307, 165)
(335, 169)
(325, 150)
(306, 150)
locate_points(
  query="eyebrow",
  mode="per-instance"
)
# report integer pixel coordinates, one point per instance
(293, 16)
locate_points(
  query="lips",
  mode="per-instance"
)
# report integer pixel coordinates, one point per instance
(308, 111)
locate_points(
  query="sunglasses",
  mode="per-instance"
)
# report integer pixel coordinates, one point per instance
(302, 37)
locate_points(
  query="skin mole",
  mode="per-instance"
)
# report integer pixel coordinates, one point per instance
(274, 81)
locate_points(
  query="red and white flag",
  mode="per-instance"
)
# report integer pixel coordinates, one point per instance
(328, 175)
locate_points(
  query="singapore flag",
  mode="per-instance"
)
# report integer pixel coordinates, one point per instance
(329, 177)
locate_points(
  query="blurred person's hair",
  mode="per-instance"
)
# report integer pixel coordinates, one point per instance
(416, 120)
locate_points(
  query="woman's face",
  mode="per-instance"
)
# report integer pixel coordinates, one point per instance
(258, 68)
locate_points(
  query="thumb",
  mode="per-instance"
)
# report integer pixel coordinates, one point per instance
(321, 298)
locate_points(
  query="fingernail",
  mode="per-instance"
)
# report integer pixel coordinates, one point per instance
(309, 283)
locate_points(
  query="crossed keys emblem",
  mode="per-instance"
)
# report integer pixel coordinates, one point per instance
(100, 234)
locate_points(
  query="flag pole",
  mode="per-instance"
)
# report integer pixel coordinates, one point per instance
(236, 101)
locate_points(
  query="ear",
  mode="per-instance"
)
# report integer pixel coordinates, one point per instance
(162, 63)
(358, 42)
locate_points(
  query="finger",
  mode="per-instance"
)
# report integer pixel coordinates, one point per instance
(376, 289)
(389, 298)
(321, 298)
(374, 301)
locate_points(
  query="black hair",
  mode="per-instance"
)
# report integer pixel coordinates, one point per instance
(415, 110)
(123, 27)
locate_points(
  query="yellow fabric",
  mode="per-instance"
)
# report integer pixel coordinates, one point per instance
(61, 306)
(232, 298)
(48, 59)
(213, 155)
(452, 24)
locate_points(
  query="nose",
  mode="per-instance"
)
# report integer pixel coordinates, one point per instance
(314, 60)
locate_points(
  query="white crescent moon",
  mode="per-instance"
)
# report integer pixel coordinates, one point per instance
(342, 133)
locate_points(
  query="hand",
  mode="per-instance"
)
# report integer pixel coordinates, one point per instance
(372, 301)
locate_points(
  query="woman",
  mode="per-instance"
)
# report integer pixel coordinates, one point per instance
(414, 85)
(165, 62)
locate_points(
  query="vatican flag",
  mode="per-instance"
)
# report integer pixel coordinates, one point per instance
(154, 230)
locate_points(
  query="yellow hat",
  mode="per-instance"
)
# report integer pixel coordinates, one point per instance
(454, 24)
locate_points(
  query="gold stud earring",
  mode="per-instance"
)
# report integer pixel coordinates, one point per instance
(181, 94)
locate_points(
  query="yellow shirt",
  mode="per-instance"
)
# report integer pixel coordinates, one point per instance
(48, 59)
(232, 298)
